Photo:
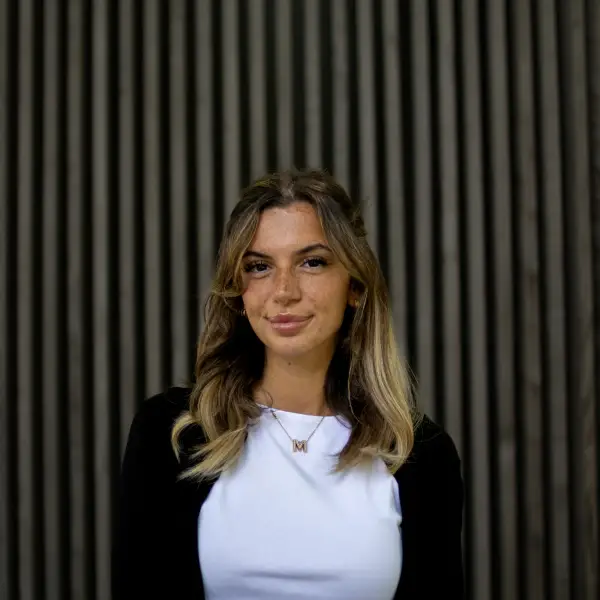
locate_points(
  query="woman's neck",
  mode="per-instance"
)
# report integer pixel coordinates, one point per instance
(294, 386)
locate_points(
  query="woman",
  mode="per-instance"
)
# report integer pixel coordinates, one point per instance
(297, 466)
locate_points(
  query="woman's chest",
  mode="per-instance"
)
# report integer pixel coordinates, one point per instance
(272, 529)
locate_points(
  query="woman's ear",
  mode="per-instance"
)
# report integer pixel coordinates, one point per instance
(353, 296)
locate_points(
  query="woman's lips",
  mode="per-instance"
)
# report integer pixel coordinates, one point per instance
(283, 325)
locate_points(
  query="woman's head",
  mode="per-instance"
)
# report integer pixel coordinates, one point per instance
(295, 248)
(297, 278)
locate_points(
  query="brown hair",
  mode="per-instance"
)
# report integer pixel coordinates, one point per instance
(367, 381)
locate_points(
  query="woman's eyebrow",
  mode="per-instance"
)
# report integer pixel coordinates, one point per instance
(305, 250)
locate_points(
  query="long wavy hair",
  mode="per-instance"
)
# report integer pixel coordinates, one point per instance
(367, 381)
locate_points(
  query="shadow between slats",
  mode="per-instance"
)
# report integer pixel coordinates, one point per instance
(473, 258)
(79, 358)
(9, 63)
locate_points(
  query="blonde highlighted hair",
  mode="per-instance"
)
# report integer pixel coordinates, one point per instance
(367, 382)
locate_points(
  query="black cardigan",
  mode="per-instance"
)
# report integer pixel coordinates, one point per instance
(155, 553)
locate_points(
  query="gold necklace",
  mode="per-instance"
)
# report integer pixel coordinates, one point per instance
(297, 445)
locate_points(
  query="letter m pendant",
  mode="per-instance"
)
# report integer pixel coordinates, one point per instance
(300, 446)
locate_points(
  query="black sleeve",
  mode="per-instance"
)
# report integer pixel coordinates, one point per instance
(443, 495)
(141, 543)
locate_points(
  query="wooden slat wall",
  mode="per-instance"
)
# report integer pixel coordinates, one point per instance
(471, 132)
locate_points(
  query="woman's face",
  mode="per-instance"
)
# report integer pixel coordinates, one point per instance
(295, 289)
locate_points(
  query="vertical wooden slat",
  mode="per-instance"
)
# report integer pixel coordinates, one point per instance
(476, 307)
(204, 136)
(28, 525)
(284, 83)
(529, 371)
(499, 193)
(341, 103)
(231, 105)
(423, 209)
(583, 422)
(128, 225)
(102, 326)
(154, 233)
(593, 71)
(54, 585)
(394, 189)
(80, 543)
(368, 185)
(449, 215)
(312, 62)
(179, 198)
(554, 298)
(257, 65)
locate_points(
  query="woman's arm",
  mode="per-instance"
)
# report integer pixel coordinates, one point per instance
(444, 516)
(431, 490)
(141, 548)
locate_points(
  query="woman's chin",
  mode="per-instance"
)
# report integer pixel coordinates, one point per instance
(290, 347)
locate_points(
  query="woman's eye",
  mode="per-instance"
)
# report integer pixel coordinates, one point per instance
(316, 262)
(256, 267)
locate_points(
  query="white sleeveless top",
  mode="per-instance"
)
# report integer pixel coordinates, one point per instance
(281, 526)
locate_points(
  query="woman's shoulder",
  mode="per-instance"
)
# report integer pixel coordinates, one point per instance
(430, 437)
(434, 450)
(432, 475)
(167, 404)
(155, 417)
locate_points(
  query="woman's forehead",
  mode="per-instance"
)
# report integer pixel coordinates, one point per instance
(288, 228)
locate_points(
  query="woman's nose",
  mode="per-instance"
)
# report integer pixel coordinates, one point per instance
(286, 285)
